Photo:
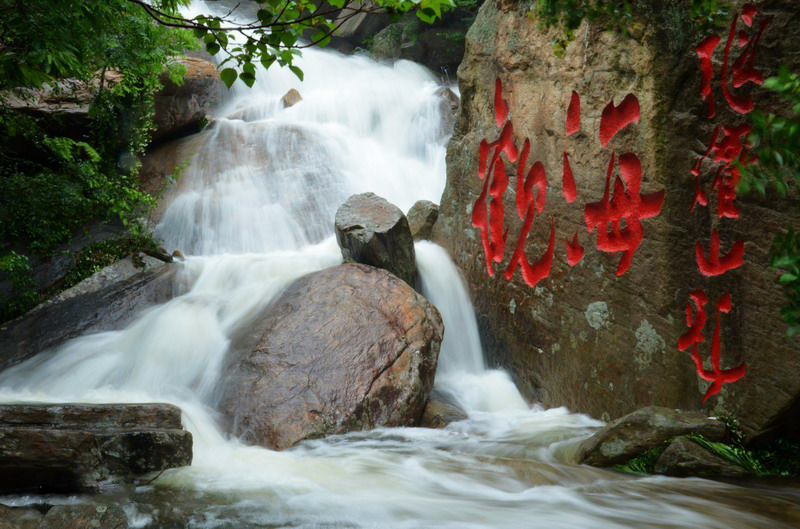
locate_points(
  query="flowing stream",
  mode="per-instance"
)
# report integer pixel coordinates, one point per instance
(255, 211)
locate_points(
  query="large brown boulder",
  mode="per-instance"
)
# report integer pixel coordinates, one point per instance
(643, 430)
(182, 109)
(583, 337)
(348, 348)
(75, 447)
(372, 231)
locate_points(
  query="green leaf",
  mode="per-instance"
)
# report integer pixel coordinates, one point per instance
(297, 71)
(321, 38)
(228, 76)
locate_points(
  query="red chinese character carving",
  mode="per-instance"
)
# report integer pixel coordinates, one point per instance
(570, 191)
(574, 250)
(489, 217)
(529, 203)
(532, 274)
(697, 323)
(717, 376)
(500, 104)
(743, 69)
(729, 150)
(628, 205)
(705, 50)
(694, 336)
(614, 119)
(574, 114)
(716, 265)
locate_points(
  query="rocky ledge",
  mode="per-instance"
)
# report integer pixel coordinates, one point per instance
(662, 441)
(69, 448)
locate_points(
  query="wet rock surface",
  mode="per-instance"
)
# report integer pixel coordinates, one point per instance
(76, 447)
(348, 348)
(608, 367)
(374, 232)
(642, 430)
(440, 411)
(421, 218)
(182, 109)
(683, 458)
(104, 301)
(291, 98)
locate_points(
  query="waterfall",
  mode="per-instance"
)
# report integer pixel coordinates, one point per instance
(255, 211)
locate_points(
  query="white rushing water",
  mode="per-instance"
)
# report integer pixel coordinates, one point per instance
(256, 211)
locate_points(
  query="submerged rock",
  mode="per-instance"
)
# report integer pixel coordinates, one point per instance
(439, 412)
(372, 231)
(642, 430)
(421, 218)
(84, 516)
(75, 447)
(348, 348)
(683, 458)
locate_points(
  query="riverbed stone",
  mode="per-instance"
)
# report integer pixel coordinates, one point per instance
(84, 516)
(439, 413)
(350, 347)
(19, 517)
(642, 430)
(685, 458)
(372, 231)
(76, 447)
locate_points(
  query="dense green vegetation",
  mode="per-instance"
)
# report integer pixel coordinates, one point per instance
(57, 175)
(704, 15)
(776, 140)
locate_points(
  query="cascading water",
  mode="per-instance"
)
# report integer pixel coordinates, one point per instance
(255, 211)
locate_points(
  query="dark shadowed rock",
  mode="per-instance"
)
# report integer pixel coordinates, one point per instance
(685, 458)
(647, 428)
(372, 231)
(75, 447)
(182, 109)
(354, 27)
(105, 301)
(348, 348)
(421, 218)
(291, 98)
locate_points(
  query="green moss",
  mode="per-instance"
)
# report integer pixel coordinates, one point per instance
(645, 463)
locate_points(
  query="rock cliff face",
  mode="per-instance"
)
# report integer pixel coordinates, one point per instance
(583, 337)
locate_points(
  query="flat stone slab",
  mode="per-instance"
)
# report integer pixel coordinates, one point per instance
(76, 447)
